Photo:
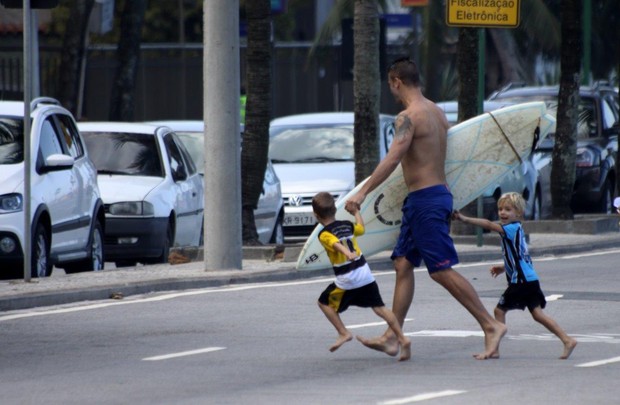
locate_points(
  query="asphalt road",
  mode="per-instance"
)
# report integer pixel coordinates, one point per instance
(267, 344)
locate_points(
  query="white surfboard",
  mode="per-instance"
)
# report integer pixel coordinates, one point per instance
(480, 152)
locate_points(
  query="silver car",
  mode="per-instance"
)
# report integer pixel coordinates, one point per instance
(269, 211)
(313, 153)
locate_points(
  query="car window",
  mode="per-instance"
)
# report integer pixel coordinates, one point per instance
(187, 158)
(194, 144)
(70, 135)
(174, 158)
(121, 153)
(609, 119)
(311, 144)
(49, 143)
(11, 140)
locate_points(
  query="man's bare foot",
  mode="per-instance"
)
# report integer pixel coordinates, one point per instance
(388, 346)
(491, 342)
(405, 351)
(341, 340)
(568, 348)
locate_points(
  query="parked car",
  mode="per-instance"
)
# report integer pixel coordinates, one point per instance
(312, 153)
(269, 212)
(151, 189)
(66, 210)
(597, 141)
(523, 179)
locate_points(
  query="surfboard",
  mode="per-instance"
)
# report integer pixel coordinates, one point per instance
(480, 152)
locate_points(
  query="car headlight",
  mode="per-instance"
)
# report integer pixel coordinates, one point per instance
(132, 208)
(586, 158)
(11, 203)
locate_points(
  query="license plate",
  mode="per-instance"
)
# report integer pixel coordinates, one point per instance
(300, 219)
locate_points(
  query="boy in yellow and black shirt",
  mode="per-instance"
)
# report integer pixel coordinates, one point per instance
(354, 284)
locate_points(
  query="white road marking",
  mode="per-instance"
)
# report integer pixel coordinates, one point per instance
(447, 333)
(599, 362)
(422, 397)
(554, 297)
(366, 325)
(183, 354)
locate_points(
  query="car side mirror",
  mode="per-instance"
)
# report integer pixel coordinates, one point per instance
(56, 162)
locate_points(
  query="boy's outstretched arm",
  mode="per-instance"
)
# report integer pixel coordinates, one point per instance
(358, 218)
(481, 222)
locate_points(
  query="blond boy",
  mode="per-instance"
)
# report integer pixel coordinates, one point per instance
(523, 283)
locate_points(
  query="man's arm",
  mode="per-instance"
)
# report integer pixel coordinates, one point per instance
(400, 145)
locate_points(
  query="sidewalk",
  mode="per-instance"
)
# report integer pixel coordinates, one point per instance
(259, 265)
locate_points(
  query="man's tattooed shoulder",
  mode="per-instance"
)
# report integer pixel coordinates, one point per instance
(403, 125)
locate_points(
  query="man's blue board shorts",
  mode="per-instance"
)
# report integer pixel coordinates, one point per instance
(425, 229)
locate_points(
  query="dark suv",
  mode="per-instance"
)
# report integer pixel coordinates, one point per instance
(597, 142)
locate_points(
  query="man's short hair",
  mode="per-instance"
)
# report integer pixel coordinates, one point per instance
(406, 70)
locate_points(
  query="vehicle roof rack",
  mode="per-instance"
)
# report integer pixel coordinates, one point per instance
(43, 100)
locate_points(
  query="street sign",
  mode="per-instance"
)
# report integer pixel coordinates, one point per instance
(483, 13)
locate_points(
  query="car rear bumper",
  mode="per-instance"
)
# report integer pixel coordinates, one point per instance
(134, 238)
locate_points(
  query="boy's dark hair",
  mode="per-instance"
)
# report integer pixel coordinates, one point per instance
(323, 205)
(406, 70)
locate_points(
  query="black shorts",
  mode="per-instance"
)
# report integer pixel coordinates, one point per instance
(522, 295)
(367, 296)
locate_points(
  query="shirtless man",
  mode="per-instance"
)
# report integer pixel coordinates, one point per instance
(419, 145)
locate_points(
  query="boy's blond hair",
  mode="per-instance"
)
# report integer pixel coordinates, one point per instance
(515, 200)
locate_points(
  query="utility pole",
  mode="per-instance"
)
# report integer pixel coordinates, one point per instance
(223, 237)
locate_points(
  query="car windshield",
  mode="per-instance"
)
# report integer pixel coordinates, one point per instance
(11, 140)
(121, 153)
(311, 144)
(194, 143)
(586, 126)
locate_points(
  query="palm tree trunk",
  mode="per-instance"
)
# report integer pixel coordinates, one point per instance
(565, 148)
(71, 60)
(258, 113)
(122, 98)
(366, 87)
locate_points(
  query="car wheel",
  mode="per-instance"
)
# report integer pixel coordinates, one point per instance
(41, 263)
(95, 262)
(607, 198)
(277, 237)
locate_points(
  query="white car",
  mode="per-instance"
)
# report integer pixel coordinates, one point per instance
(151, 189)
(313, 153)
(524, 179)
(269, 212)
(67, 217)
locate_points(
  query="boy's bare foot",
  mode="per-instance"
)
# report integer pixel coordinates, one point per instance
(388, 346)
(341, 340)
(568, 348)
(405, 351)
(491, 342)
